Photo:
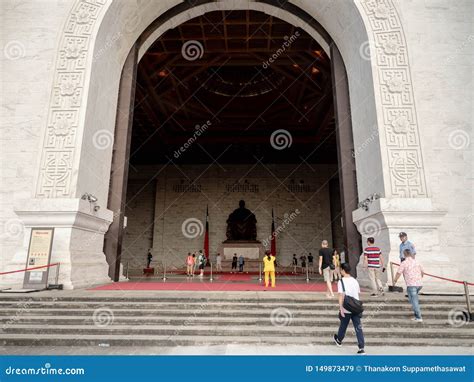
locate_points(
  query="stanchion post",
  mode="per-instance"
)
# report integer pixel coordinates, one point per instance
(164, 271)
(260, 272)
(211, 279)
(468, 300)
(57, 274)
(126, 270)
(307, 274)
(391, 273)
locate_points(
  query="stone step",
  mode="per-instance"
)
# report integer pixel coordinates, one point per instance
(11, 312)
(220, 319)
(213, 305)
(196, 340)
(176, 320)
(226, 297)
(234, 330)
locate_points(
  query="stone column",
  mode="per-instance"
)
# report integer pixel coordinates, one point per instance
(386, 218)
(78, 240)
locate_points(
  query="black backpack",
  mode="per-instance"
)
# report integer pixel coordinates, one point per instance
(351, 304)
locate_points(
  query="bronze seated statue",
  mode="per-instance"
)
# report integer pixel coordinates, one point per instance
(241, 224)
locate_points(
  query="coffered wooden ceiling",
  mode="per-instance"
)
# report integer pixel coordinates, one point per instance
(230, 85)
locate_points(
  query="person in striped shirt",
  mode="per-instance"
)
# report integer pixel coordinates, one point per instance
(373, 262)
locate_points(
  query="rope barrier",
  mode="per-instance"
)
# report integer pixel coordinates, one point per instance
(439, 277)
(29, 269)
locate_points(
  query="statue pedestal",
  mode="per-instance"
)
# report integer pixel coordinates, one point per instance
(248, 249)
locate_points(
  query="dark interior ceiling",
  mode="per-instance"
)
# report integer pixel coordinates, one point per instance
(229, 85)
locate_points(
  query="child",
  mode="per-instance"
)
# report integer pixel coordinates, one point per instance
(295, 263)
(336, 260)
(234, 263)
(189, 265)
(303, 263)
(202, 263)
(195, 264)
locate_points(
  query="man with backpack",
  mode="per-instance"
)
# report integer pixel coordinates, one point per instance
(350, 308)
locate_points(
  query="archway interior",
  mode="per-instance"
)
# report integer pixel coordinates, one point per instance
(232, 105)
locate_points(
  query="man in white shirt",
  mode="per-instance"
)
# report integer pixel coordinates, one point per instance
(350, 287)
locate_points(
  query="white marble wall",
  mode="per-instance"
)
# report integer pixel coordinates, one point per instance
(28, 40)
(441, 44)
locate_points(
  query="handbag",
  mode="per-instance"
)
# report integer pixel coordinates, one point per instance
(350, 303)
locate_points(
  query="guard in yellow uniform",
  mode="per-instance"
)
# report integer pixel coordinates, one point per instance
(269, 269)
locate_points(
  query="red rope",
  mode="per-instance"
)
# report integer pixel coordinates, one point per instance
(439, 277)
(29, 269)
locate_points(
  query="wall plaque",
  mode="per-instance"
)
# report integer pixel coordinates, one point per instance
(39, 255)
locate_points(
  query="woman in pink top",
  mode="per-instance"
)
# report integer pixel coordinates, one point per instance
(189, 265)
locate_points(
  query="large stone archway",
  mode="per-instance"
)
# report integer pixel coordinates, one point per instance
(96, 40)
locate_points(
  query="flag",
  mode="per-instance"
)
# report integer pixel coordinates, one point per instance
(273, 249)
(206, 235)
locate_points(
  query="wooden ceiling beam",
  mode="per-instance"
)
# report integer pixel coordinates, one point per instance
(230, 37)
(247, 28)
(269, 36)
(237, 22)
(196, 70)
(225, 32)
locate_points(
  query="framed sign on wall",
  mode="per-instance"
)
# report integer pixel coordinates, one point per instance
(39, 255)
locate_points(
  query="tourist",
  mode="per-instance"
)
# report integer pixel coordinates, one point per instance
(202, 263)
(149, 258)
(190, 265)
(413, 274)
(241, 263)
(325, 263)
(311, 263)
(303, 263)
(269, 269)
(218, 263)
(373, 262)
(195, 263)
(405, 244)
(343, 257)
(336, 260)
(234, 263)
(348, 286)
(295, 263)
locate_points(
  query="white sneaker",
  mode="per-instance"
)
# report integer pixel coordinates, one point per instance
(417, 319)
